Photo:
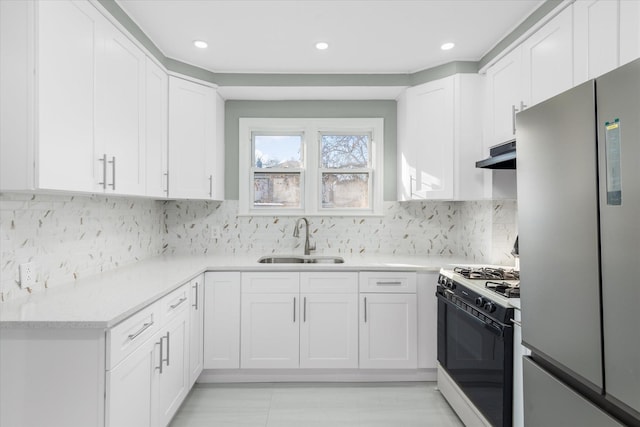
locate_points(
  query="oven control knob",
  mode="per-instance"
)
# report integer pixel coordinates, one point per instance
(479, 302)
(490, 307)
(451, 284)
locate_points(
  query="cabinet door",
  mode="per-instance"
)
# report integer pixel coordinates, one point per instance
(157, 99)
(504, 94)
(596, 32)
(67, 33)
(135, 377)
(388, 331)
(120, 113)
(547, 59)
(222, 320)
(270, 330)
(629, 30)
(192, 134)
(196, 313)
(173, 382)
(329, 331)
(430, 113)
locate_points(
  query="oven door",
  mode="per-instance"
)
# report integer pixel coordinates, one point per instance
(479, 358)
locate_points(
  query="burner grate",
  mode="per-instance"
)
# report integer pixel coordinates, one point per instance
(487, 273)
(503, 288)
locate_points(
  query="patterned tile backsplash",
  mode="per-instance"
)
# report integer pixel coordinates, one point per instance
(70, 237)
(481, 231)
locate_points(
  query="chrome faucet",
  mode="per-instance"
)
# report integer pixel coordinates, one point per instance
(296, 233)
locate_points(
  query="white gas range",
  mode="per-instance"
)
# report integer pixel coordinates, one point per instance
(476, 337)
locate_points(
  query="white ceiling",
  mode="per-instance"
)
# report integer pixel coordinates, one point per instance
(365, 36)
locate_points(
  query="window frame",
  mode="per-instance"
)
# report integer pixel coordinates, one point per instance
(311, 173)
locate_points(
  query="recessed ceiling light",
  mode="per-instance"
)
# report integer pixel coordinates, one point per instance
(322, 45)
(200, 44)
(447, 46)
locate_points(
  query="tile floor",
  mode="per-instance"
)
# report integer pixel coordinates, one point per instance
(316, 405)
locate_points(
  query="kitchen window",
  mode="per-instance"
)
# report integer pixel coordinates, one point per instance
(311, 166)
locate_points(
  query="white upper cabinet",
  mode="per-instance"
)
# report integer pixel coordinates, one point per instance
(439, 133)
(596, 34)
(425, 150)
(547, 59)
(157, 105)
(47, 55)
(606, 35)
(120, 114)
(192, 141)
(503, 98)
(629, 30)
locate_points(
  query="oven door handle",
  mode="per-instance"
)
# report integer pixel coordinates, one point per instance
(497, 331)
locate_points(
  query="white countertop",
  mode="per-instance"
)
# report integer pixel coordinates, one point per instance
(106, 299)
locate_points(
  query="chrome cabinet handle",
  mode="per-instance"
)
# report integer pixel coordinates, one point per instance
(294, 309)
(196, 301)
(388, 283)
(365, 309)
(514, 110)
(159, 368)
(104, 171)
(113, 172)
(183, 299)
(144, 328)
(211, 186)
(168, 346)
(304, 310)
(166, 190)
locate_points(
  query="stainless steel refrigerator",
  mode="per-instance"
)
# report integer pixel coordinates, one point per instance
(579, 241)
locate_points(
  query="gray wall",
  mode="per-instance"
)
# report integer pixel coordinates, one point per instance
(309, 109)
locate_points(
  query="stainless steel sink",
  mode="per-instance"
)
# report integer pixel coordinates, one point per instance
(275, 259)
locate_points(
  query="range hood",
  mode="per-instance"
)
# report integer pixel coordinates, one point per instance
(501, 156)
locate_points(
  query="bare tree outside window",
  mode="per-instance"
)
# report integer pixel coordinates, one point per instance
(345, 151)
(347, 185)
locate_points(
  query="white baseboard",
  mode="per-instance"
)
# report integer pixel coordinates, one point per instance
(315, 375)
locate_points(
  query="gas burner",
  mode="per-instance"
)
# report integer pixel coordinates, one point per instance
(487, 273)
(503, 288)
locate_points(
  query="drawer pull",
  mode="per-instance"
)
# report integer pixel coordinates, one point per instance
(144, 328)
(398, 283)
(159, 368)
(168, 346)
(183, 299)
(195, 304)
(365, 309)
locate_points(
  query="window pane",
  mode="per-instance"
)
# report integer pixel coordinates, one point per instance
(277, 151)
(276, 190)
(345, 190)
(345, 151)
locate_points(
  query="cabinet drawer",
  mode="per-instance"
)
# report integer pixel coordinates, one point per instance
(270, 283)
(335, 283)
(175, 303)
(392, 281)
(129, 334)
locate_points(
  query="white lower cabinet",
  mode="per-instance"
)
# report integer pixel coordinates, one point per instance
(135, 376)
(173, 382)
(299, 320)
(270, 330)
(222, 320)
(196, 326)
(329, 328)
(388, 321)
(147, 387)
